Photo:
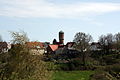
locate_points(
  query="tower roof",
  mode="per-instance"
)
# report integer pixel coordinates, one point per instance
(61, 31)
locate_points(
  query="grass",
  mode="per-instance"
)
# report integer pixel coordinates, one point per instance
(72, 75)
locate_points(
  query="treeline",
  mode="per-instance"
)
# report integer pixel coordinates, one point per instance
(110, 42)
(107, 42)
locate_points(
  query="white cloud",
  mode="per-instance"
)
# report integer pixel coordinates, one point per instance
(43, 8)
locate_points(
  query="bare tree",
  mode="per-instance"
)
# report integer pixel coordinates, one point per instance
(82, 44)
(82, 41)
(117, 37)
(109, 39)
(19, 37)
(1, 40)
(102, 39)
(107, 42)
(117, 40)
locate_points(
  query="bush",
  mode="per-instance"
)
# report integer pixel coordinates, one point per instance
(114, 70)
(23, 66)
(109, 72)
(111, 59)
(76, 64)
(101, 75)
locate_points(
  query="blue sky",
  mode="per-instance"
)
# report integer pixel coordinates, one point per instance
(43, 19)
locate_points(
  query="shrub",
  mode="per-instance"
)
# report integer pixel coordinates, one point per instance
(111, 59)
(114, 70)
(101, 75)
(23, 66)
(77, 64)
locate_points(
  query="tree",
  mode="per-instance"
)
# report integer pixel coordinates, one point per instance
(117, 37)
(19, 37)
(21, 65)
(107, 42)
(1, 40)
(117, 40)
(82, 41)
(54, 41)
(109, 39)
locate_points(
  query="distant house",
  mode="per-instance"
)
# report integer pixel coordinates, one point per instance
(95, 46)
(36, 48)
(46, 44)
(71, 52)
(58, 47)
(63, 52)
(60, 51)
(4, 47)
(52, 48)
(70, 45)
(66, 53)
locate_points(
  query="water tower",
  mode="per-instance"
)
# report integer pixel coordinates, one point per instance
(61, 37)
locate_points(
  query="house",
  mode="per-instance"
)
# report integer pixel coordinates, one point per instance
(4, 47)
(70, 45)
(61, 39)
(95, 46)
(51, 49)
(59, 51)
(58, 47)
(36, 48)
(66, 52)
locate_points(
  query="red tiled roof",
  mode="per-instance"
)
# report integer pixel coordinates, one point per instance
(53, 47)
(35, 45)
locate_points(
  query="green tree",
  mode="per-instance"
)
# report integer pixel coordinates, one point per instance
(21, 65)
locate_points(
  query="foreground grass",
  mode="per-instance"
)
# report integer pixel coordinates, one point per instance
(72, 75)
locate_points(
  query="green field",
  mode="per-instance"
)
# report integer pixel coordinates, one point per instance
(72, 75)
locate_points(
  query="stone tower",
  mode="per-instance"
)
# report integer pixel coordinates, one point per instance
(61, 37)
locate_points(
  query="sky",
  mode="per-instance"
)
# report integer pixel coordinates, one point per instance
(43, 19)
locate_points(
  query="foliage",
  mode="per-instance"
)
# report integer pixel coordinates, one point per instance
(101, 75)
(111, 59)
(77, 64)
(23, 66)
(19, 64)
(108, 72)
(114, 70)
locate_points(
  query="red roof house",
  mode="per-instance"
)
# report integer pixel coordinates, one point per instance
(52, 48)
(36, 48)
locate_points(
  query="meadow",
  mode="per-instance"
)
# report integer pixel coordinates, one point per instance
(72, 75)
